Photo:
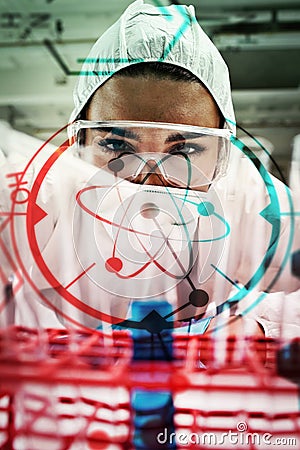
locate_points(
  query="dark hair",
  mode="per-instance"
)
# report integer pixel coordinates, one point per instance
(159, 70)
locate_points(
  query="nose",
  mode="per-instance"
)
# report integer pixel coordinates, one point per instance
(150, 174)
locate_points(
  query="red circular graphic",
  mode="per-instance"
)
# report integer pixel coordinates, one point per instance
(113, 264)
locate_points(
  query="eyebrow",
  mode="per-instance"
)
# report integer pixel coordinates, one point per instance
(181, 137)
(129, 134)
(122, 132)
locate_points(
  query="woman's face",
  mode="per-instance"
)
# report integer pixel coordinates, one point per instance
(152, 100)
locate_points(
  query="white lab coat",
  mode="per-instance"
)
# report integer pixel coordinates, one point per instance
(60, 276)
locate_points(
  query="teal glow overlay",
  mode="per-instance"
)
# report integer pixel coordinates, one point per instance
(226, 277)
(185, 228)
(208, 209)
(291, 213)
(163, 9)
(272, 214)
(177, 36)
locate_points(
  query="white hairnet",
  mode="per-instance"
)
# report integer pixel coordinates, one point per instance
(146, 33)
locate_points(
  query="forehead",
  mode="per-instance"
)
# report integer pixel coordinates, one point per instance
(154, 100)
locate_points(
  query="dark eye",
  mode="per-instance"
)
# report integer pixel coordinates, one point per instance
(113, 145)
(187, 148)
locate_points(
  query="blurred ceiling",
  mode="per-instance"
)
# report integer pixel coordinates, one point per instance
(42, 42)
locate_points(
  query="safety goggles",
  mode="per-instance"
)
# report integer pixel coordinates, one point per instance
(144, 152)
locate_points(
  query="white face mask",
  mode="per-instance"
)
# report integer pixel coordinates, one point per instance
(150, 234)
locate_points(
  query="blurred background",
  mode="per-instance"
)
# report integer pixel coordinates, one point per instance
(43, 42)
